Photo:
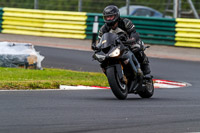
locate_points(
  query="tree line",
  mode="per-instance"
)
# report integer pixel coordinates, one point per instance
(95, 6)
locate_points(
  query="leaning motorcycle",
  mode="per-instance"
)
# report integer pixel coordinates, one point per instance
(122, 68)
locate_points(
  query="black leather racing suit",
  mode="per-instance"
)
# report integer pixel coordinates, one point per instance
(125, 24)
(128, 28)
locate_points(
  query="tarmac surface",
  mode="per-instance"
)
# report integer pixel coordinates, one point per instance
(97, 111)
(157, 51)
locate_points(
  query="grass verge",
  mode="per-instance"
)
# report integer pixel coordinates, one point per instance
(17, 78)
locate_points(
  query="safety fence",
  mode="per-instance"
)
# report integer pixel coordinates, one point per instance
(79, 25)
(1, 20)
(187, 32)
(44, 23)
(151, 30)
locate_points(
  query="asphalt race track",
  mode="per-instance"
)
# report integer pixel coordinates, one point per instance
(174, 110)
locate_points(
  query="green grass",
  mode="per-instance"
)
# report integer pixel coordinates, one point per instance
(18, 78)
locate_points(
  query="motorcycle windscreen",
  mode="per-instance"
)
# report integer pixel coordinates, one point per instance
(107, 40)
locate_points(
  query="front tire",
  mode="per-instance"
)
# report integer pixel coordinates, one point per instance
(118, 88)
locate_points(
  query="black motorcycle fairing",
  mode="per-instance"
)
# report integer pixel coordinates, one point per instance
(129, 60)
(107, 40)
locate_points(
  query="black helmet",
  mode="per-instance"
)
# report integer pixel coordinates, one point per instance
(111, 15)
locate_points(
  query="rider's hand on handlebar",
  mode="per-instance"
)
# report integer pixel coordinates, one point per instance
(130, 41)
(122, 37)
(94, 47)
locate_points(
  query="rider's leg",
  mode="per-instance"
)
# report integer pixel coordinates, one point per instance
(144, 62)
(138, 50)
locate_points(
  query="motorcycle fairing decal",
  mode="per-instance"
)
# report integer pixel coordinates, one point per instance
(104, 41)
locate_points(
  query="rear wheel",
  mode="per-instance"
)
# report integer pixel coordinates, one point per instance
(118, 87)
(148, 89)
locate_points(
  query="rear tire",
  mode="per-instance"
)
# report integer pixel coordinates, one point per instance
(148, 89)
(118, 88)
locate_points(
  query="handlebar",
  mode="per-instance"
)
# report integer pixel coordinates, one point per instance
(128, 42)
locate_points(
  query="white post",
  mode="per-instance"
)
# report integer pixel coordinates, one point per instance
(127, 6)
(179, 8)
(95, 30)
(175, 8)
(80, 5)
(35, 4)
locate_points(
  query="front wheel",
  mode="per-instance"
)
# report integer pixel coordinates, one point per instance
(118, 88)
(148, 89)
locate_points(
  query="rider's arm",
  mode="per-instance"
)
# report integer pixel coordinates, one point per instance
(130, 28)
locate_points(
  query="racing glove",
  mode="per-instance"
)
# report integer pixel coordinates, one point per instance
(94, 47)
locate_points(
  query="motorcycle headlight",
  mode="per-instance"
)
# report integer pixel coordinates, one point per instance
(115, 53)
(100, 57)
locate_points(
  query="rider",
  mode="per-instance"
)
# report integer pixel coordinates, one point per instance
(115, 24)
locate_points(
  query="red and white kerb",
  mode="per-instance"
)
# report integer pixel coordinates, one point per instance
(158, 83)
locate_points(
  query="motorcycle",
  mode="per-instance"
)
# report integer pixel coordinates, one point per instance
(122, 68)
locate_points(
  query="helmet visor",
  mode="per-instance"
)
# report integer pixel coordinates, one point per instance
(109, 17)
